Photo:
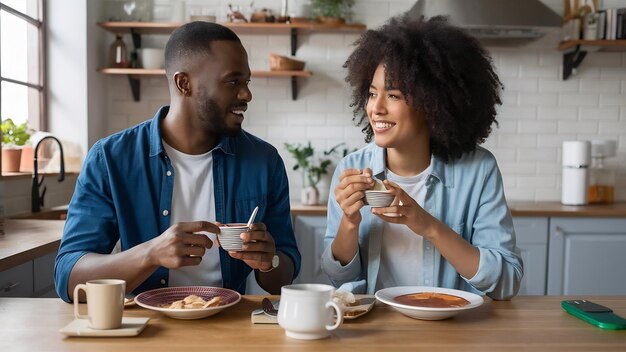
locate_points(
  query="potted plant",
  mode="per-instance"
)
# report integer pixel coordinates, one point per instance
(331, 11)
(312, 168)
(14, 137)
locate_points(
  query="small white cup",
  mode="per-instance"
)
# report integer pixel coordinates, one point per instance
(229, 236)
(105, 303)
(152, 58)
(306, 311)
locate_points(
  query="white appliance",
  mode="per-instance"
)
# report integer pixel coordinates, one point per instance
(576, 161)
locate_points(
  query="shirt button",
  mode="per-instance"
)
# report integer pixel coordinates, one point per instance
(163, 282)
(165, 212)
(168, 173)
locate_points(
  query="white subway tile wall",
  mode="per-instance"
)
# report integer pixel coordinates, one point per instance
(540, 110)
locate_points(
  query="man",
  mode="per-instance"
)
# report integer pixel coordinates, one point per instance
(161, 186)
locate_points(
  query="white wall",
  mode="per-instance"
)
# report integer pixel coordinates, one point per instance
(539, 112)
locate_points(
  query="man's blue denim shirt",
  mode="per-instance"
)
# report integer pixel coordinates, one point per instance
(124, 192)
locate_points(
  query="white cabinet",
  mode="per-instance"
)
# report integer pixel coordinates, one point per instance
(532, 240)
(17, 281)
(586, 256)
(310, 231)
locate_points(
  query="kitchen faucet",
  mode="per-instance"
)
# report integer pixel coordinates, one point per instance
(36, 199)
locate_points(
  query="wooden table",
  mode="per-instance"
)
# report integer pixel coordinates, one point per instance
(532, 323)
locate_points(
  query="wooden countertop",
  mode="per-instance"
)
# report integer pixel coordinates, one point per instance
(25, 240)
(518, 208)
(531, 323)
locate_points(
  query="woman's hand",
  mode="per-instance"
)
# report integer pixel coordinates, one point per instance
(350, 192)
(406, 211)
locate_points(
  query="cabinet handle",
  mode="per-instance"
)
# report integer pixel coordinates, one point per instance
(559, 232)
(10, 286)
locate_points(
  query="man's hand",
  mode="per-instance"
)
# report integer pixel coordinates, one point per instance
(180, 245)
(258, 247)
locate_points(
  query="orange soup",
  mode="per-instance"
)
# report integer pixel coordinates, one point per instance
(432, 300)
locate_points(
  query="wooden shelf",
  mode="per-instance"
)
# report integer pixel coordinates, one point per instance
(161, 72)
(134, 74)
(169, 27)
(137, 29)
(619, 44)
(576, 54)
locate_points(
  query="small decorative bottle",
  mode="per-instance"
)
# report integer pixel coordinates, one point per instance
(118, 53)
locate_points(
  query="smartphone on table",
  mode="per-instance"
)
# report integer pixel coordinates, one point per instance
(594, 314)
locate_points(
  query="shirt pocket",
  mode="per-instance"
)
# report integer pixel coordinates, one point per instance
(244, 208)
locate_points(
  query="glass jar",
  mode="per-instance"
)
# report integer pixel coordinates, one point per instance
(601, 182)
(118, 53)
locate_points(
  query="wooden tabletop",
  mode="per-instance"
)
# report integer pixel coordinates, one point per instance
(531, 323)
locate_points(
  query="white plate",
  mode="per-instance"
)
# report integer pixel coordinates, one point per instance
(154, 299)
(131, 326)
(387, 296)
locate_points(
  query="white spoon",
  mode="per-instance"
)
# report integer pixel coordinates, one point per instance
(251, 221)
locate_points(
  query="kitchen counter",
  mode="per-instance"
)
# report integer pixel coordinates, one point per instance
(25, 240)
(524, 323)
(518, 208)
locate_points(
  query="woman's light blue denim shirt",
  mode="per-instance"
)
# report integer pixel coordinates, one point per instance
(466, 194)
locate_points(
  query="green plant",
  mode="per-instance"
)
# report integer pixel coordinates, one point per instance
(313, 169)
(14, 135)
(331, 8)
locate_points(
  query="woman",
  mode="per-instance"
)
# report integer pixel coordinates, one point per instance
(427, 94)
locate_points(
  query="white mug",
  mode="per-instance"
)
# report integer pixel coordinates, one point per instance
(152, 58)
(306, 311)
(105, 303)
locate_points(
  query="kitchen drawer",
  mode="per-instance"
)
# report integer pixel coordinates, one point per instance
(43, 272)
(17, 281)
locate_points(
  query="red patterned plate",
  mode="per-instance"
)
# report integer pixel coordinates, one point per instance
(155, 299)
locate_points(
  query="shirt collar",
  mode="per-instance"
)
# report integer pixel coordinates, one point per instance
(441, 170)
(226, 144)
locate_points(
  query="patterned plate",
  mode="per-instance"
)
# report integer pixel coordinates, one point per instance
(155, 299)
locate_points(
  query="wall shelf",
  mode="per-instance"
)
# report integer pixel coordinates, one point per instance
(134, 74)
(576, 52)
(137, 29)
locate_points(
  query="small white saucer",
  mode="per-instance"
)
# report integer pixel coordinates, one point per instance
(131, 326)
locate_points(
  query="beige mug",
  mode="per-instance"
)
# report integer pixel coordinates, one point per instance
(105, 303)
(306, 311)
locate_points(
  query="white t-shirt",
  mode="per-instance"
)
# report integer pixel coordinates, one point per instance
(401, 254)
(193, 199)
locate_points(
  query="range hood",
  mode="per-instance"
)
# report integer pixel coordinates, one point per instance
(495, 22)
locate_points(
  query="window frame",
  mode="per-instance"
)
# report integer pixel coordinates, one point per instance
(39, 96)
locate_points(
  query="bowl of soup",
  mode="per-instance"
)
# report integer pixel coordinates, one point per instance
(429, 303)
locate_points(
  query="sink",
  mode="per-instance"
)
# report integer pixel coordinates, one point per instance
(56, 214)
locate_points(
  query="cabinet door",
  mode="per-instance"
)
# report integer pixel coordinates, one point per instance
(43, 274)
(532, 240)
(310, 231)
(17, 281)
(587, 256)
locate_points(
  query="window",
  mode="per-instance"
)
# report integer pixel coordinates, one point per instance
(22, 62)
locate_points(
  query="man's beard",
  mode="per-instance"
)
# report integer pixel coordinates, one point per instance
(214, 118)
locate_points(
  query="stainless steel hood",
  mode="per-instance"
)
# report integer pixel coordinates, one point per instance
(495, 22)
